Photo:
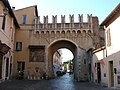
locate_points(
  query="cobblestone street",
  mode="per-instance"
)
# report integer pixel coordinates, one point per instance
(61, 83)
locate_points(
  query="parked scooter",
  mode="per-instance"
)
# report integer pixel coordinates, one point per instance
(20, 74)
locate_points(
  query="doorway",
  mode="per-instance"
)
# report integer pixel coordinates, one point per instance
(98, 72)
(7, 67)
(111, 73)
(20, 66)
(1, 66)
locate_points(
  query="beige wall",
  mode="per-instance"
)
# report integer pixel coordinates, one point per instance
(78, 40)
(114, 31)
(23, 35)
(7, 37)
(111, 53)
(30, 12)
(100, 57)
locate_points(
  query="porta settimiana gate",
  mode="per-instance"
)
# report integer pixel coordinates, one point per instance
(41, 40)
(79, 37)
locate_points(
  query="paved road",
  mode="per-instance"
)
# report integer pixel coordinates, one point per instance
(61, 83)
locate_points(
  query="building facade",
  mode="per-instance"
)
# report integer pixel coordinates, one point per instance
(26, 56)
(106, 61)
(36, 43)
(57, 62)
(8, 26)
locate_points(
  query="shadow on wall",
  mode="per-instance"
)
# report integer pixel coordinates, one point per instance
(102, 68)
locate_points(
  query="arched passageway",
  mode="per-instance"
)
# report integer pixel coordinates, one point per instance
(62, 62)
(57, 45)
(79, 59)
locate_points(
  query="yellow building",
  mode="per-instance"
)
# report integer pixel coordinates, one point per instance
(106, 62)
(29, 57)
(8, 26)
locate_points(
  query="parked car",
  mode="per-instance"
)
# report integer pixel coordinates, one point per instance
(59, 73)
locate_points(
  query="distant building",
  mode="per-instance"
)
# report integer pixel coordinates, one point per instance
(68, 66)
(106, 60)
(57, 61)
(8, 27)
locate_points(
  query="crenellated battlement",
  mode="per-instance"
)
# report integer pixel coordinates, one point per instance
(90, 25)
(71, 19)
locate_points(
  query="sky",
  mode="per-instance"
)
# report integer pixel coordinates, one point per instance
(99, 8)
(66, 54)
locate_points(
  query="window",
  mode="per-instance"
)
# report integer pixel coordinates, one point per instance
(3, 22)
(1, 63)
(18, 46)
(7, 67)
(20, 66)
(84, 61)
(108, 38)
(24, 17)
